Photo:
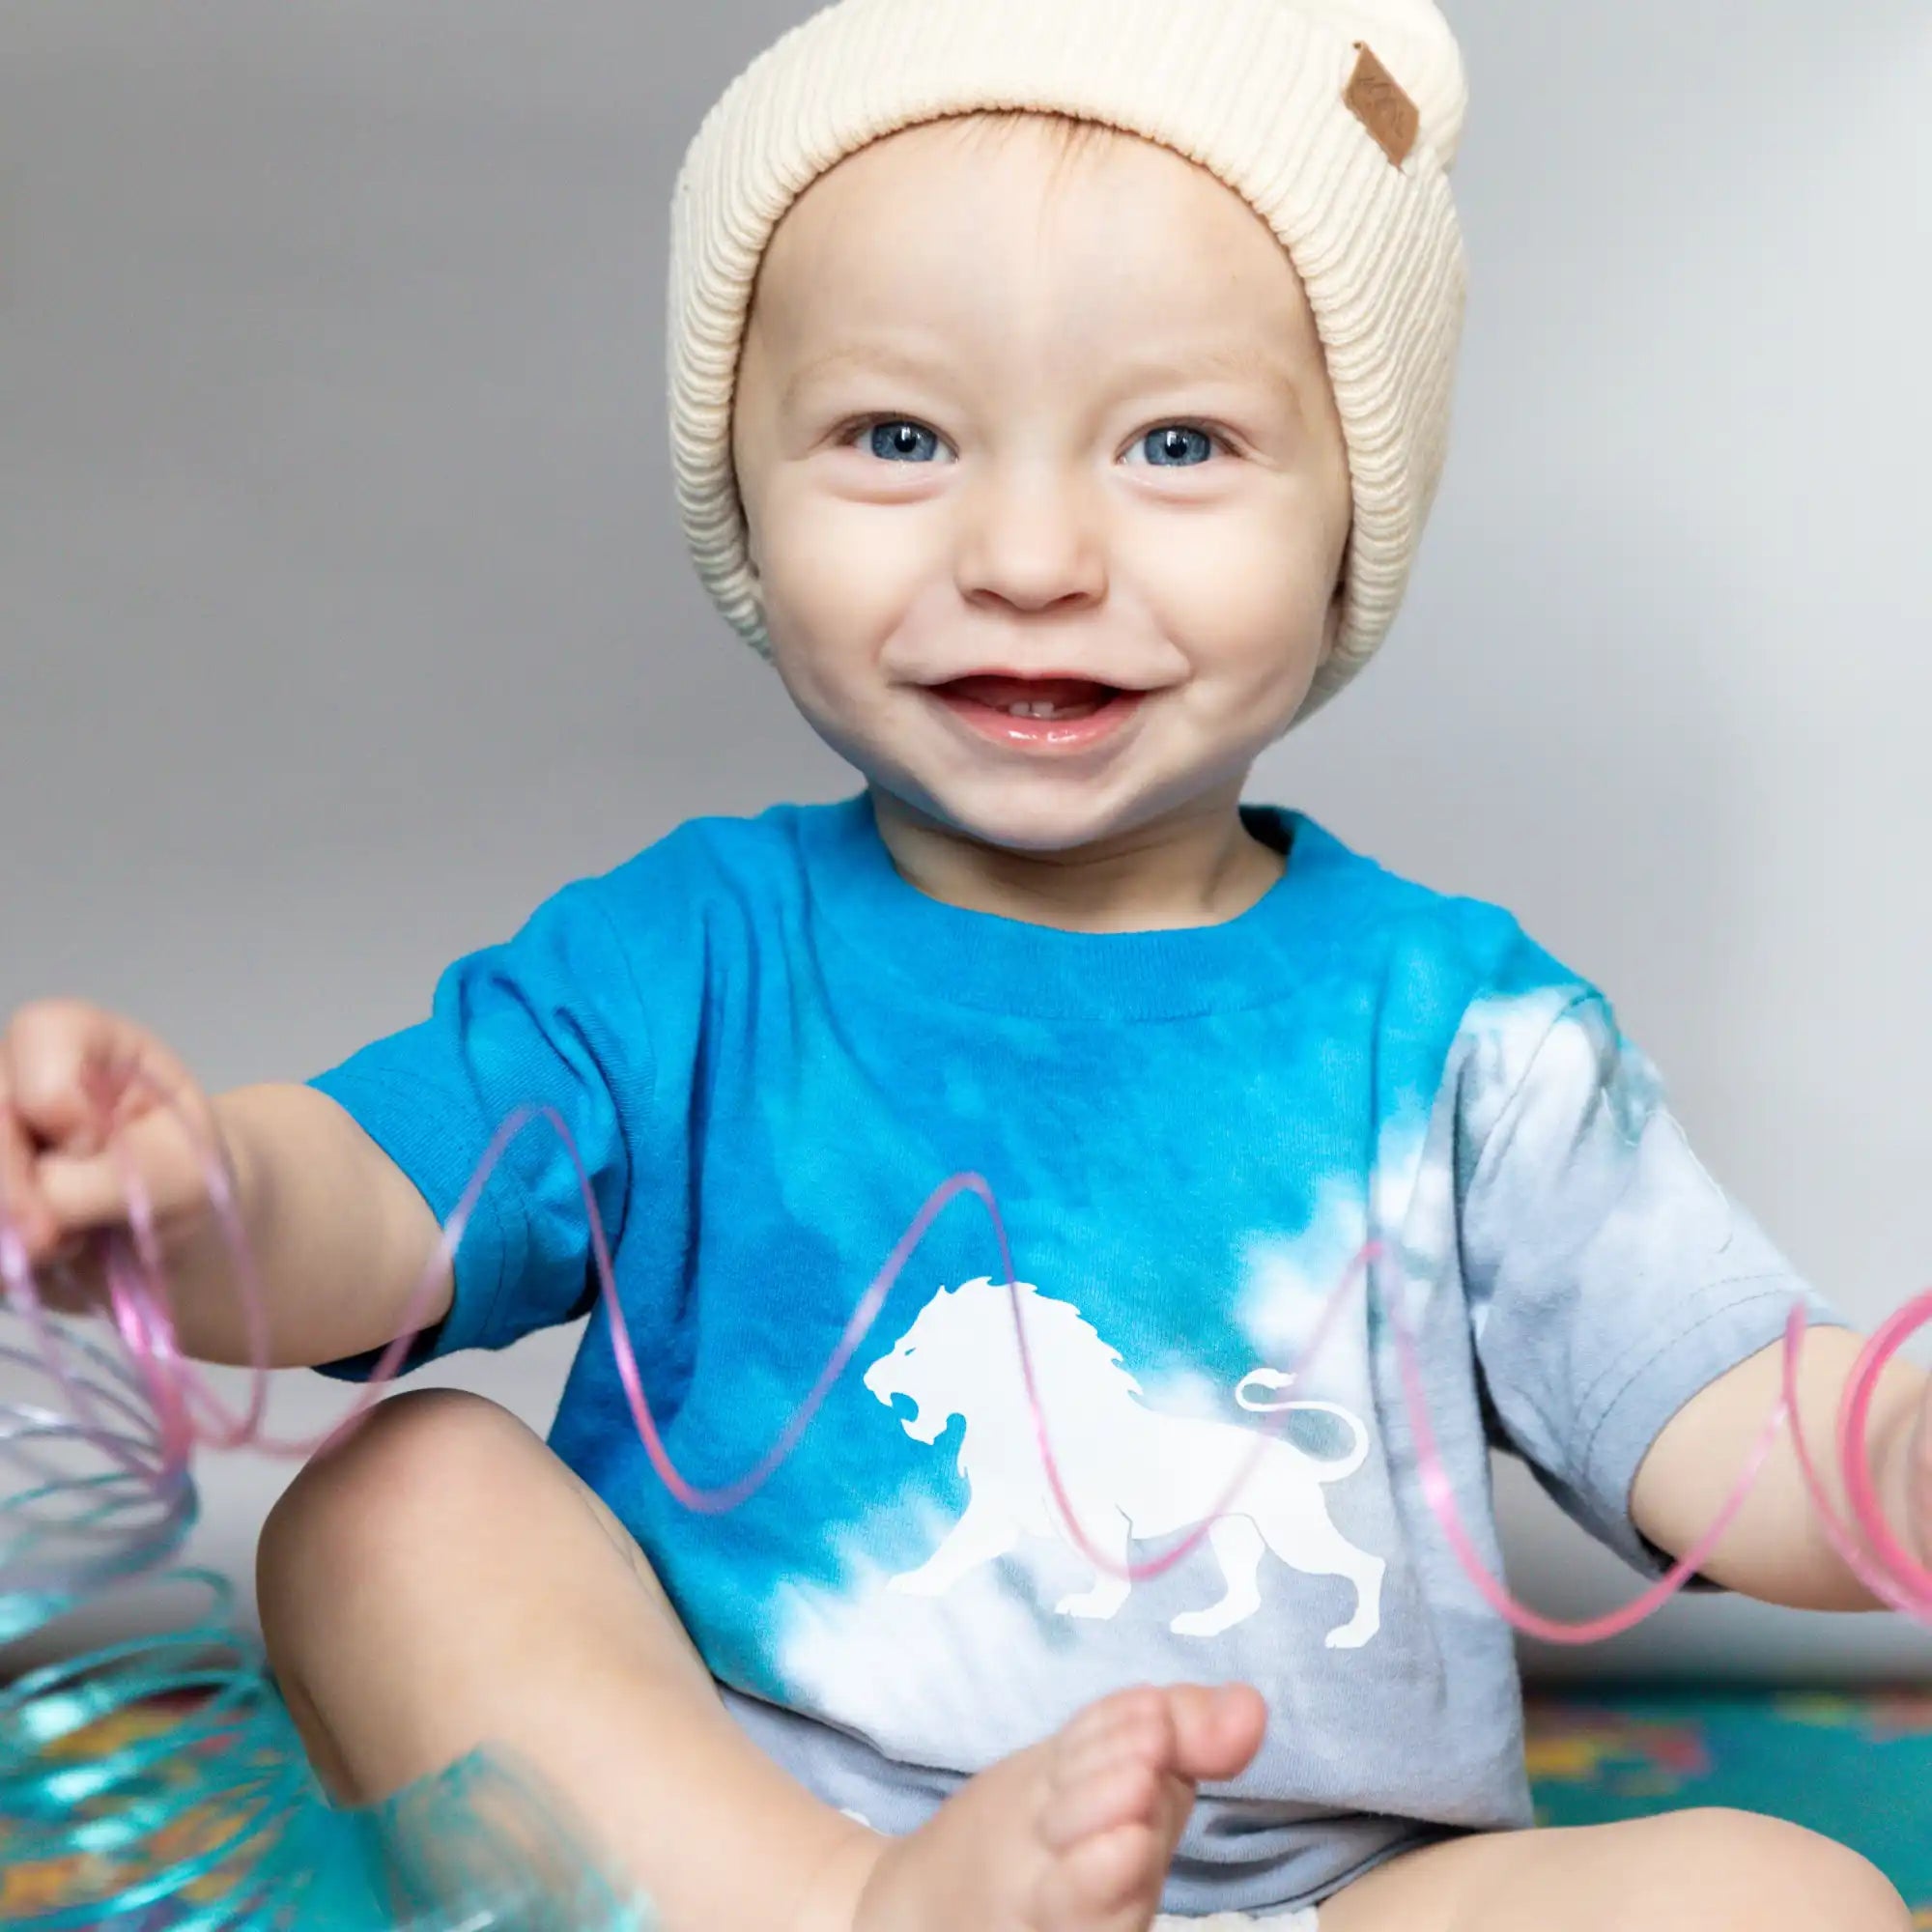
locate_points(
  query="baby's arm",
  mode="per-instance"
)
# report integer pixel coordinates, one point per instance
(1776, 1549)
(340, 1237)
(1629, 1315)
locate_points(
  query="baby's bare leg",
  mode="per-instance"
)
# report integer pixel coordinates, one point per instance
(1686, 1871)
(441, 1581)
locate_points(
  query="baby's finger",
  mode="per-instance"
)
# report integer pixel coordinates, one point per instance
(87, 1192)
(55, 1050)
(76, 1071)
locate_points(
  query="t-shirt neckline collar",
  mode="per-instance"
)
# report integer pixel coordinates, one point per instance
(986, 960)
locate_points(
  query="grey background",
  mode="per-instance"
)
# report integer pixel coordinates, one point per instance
(343, 615)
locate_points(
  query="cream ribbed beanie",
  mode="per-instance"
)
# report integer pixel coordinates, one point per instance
(1336, 120)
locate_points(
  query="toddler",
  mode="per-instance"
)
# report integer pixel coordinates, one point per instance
(1059, 390)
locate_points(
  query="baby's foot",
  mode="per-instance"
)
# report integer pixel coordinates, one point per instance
(1075, 1836)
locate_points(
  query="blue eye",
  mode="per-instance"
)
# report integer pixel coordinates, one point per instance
(902, 442)
(1173, 446)
(1177, 446)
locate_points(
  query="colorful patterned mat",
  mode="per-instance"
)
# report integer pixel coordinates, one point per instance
(1859, 1769)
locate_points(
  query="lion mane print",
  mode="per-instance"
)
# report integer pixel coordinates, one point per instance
(1130, 1472)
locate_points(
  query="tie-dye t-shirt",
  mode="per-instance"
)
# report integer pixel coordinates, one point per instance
(769, 1049)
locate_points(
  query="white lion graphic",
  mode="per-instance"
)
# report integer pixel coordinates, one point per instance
(1129, 1471)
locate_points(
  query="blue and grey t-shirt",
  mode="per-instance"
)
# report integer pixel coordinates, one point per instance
(771, 1048)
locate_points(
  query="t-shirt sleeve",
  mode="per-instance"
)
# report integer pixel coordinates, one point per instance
(1609, 1278)
(549, 1019)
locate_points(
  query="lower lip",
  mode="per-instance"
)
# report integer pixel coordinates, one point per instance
(1043, 734)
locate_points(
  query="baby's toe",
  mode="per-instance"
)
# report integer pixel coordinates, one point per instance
(1125, 1792)
(1107, 1882)
(1216, 1731)
(1145, 1707)
(1130, 1725)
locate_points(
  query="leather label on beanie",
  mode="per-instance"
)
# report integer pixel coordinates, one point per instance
(1375, 97)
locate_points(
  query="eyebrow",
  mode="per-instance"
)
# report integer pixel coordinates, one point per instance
(882, 357)
(1243, 361)
(1234, 360)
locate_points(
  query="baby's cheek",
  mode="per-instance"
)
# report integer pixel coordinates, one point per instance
(1254, 613)
(838, 584)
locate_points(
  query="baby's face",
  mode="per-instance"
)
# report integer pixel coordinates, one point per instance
(1044, 482)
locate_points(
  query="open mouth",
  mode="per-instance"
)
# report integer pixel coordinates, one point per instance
(912, 1420)
(1031, 697)
(1038, 713)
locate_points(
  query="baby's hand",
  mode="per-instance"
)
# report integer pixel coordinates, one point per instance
(71, 1076)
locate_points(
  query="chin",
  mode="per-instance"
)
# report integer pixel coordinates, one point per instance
(1061, 817)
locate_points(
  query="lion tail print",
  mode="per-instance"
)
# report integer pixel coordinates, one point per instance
(1336, 1470)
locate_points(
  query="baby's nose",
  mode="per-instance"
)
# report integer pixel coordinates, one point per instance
(1032, 538)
